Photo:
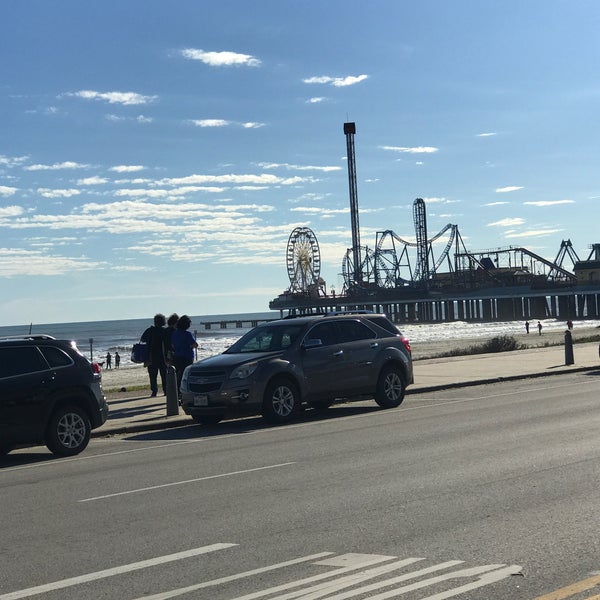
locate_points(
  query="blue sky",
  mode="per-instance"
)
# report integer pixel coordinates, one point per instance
(156, 156)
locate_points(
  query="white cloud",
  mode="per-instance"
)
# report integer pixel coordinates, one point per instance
(143, 119)
(489, 134)
(289, 167)
(252, 125)
(411, 150)
(17, 262)
(49, 193)
(56, 166)
(95, 180)
(508, 222)
(316, 100)
(12, 161)
(509, 188)
(6, 190)
(549, 202)
(532, 233)
(496, 203)
(337, 81)
(210, 122)
(221, 59)
(124, 98)
(11, 211)
(262, 179)
(127, 168)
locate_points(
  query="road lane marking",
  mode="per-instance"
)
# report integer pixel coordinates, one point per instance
(144, 564)
(236, 577)
(184, 482)
(571, 590)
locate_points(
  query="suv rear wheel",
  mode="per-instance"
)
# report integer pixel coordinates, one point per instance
(68, 431)
(390, 387)
(281, 401)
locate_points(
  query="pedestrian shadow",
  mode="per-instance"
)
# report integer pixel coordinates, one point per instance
(245, 425)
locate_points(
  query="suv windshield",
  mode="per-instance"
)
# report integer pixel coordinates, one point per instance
(270, 338)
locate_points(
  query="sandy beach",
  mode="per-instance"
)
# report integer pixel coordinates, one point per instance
(135, 377)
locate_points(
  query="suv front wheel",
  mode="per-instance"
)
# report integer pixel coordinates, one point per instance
(68, 431)
(390, 387)
(281, 401)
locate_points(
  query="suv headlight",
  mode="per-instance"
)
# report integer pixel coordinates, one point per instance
(184, 380)
(244, 371)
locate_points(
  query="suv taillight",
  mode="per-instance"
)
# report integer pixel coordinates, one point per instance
(406, 343)
(96, 368)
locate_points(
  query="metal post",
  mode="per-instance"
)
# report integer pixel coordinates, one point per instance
(569, 359)
(91, 350)
(172, 392)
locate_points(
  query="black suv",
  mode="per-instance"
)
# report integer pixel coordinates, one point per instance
(49, 393)
(280, 366)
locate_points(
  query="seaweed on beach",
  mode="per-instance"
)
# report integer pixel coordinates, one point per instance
(500, 343)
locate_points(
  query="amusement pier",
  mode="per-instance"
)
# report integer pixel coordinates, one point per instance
(410, 282)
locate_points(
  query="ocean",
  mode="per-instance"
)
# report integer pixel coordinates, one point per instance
(96, 338)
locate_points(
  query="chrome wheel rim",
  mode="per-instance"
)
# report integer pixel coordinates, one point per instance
(283, 401)
(71, 430)
(393, 386)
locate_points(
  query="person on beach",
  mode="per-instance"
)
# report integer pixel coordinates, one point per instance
(539, 328)
(527, 326)
(108, 361)
(184, 344)
(117, 360)
(154, 336)
(171, 326)
(570, 324)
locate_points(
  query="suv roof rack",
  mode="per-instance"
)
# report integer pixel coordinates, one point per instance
(37, 336)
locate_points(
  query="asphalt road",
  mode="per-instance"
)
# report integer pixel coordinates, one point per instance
(488, 492)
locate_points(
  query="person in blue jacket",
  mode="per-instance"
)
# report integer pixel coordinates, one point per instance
(183, 344)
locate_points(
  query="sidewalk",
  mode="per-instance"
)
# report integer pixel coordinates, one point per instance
(130, 414)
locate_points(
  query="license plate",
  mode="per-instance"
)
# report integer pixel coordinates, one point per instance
(201, 400)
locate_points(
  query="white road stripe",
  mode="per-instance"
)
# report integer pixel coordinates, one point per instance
(205, 584)
(165, 485)
(325, 589)
(328, 585)
(472, 572)
(144, 564)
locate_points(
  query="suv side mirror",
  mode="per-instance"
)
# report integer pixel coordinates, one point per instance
(312, 343)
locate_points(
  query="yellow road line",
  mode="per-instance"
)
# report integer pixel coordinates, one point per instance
(573, 589)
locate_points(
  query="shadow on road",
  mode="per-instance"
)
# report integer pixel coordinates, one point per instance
(249, 424)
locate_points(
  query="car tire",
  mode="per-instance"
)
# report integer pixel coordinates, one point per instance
(390, 387)
(68, 431)
(281, 401)
(207, 419)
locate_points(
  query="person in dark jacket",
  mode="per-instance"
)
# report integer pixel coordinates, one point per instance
(154, 336)
(171, 326)
(183, 343)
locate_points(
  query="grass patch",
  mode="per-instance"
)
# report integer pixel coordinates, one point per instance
(500, 343)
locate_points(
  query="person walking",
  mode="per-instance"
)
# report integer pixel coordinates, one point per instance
(117, 359)
(539, 328)
(108, 361)
(154, 336)
(527, 326)
(183, 344)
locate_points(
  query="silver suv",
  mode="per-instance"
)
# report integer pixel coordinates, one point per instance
(281, 366)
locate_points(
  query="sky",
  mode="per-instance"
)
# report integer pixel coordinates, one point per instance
(156, 156)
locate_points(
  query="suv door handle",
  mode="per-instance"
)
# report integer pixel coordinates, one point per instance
(374, 345)
(339, 353)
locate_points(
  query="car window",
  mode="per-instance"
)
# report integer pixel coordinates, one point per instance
(385, 324)
(266, 339)
(56, 357)
(19, 360)
(351, 331)
(324, 332)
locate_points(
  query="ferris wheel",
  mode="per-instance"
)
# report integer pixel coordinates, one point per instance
(303, 259)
